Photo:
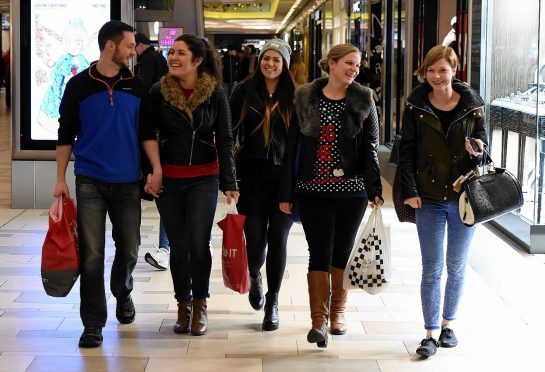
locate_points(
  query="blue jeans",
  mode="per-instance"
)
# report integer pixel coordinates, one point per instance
(430, 222)
(121, 201)
(163, 239)
(187, 207)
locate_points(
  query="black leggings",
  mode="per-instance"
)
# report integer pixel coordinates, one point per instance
(271, 231)
(330, 225)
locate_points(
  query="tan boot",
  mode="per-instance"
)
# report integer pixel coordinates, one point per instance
(199, 323)
(318, 292)
(338, 302)
(184, 317)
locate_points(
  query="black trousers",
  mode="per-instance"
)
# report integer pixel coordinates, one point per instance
(266, 238)
(330, 226)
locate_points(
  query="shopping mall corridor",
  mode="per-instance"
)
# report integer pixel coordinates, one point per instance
(500, 327)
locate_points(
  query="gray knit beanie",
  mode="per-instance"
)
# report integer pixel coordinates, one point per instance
(279, 46)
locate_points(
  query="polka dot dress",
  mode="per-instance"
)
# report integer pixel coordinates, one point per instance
(328, 174)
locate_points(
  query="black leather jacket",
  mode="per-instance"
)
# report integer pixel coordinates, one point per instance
(194, 131)
(253, 142)
(358, 142)
(430, 160)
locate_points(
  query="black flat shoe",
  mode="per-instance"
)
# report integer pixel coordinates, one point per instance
(428, 347)
(91, 336)
(447, 338)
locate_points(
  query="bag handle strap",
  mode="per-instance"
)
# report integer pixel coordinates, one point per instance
(232, 207)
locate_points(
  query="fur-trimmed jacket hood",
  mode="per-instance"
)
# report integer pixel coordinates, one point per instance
(171, 90)
(359, 103)
(194, 131)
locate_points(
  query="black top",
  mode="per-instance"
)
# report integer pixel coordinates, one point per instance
(446, 117)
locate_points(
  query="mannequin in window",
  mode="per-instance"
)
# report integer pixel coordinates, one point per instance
(450, 38)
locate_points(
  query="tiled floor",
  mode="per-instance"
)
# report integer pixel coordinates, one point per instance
(500, 324)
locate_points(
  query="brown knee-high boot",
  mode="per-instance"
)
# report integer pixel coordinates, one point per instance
(318, 292)
(338, 302)
(184, 317)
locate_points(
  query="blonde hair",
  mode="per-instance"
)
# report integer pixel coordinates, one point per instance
(335, 53)
(435, 54)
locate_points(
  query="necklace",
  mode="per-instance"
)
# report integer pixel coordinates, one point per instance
(270, 94)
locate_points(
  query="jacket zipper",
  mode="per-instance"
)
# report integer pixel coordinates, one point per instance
(193, 130)
(110, 88)
(193, 138)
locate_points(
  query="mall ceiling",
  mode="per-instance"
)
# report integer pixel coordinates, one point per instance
(234, 16)
(4, 6)
(250, 16)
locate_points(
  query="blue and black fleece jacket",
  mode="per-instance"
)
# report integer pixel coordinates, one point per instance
(102, 123)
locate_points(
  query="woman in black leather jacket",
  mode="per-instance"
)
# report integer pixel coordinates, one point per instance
(334, 151)
(263, 110)
(435, 150)
(192, 116)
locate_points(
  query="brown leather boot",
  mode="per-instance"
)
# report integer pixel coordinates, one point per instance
(184, 317)
(199, 323)
(338, 302)
(318, 291)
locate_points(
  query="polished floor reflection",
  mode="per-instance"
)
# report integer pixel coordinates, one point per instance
(500, 324)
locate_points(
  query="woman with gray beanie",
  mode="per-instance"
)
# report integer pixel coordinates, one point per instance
(263, 111)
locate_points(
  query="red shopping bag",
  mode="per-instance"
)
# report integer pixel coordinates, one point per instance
(234, 257)
(60, 253)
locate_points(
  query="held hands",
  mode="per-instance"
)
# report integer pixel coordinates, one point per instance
(414, 202)
(154, 184)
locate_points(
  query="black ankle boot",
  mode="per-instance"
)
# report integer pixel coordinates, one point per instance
(270, 321)
(256, 293)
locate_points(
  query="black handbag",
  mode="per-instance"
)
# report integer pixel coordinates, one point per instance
(488, 196)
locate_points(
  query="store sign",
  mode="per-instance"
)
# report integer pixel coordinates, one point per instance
(167, 36)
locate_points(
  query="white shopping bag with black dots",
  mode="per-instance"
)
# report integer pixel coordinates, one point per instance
(370, 264)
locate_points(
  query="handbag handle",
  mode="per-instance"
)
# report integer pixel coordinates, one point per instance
(232, 207)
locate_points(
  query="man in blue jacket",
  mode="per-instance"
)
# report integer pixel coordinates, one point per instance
(99, 122)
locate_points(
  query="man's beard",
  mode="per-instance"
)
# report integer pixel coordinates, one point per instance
(121, 62)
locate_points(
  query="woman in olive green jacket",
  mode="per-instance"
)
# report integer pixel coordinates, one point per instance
(441, 116)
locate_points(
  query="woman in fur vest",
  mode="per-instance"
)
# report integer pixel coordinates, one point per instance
(191, 112)
(331, 171)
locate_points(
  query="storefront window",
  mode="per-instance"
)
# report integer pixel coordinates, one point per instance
(515, 81)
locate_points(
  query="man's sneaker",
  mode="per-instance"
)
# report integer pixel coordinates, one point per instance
(160, 258)
(428, 347)
(91, 336)
(124, 310)
(447, 338)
